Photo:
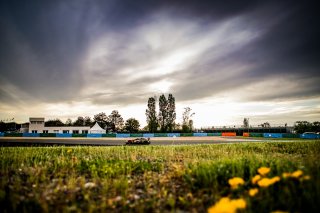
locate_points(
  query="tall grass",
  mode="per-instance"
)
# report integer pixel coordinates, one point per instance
(153, 178)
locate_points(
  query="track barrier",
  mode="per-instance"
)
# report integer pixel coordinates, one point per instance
(202, 134)
(228, 134)
(151, 135)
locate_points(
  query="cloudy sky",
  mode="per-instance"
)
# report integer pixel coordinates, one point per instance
(225, 59)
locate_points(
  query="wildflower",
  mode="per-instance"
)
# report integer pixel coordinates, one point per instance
(89, 185)
(253, 192)
(239, 203)
(255, 179)
(286, 174)
(297, 174)
(265, 182)
(263, 171)
(225, 205)
(235, 182)
(69, 150)
(306, 177)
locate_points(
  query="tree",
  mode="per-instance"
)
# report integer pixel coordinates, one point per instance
(187, 123)
(302, 126)
(79, 121)
(151, 114)
(115, 121)
(101, 119)
(87, 121)
(265, 124)
(171, 113)
(246, 122)
(316, 126)
(54, 122)
(163, 113)
(132, 125)
(68, 122)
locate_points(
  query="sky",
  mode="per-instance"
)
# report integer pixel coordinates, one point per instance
(226, 60)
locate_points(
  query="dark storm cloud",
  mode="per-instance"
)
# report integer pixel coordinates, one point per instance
(44, 45)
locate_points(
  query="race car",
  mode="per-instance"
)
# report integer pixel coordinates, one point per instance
(138, 141)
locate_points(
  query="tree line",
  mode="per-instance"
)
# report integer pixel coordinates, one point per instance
(163, 120)
(112, 123)
(305, 126)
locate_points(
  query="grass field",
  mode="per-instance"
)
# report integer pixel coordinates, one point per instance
(160, 178)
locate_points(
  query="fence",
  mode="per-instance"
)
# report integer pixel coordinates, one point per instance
(151, 135)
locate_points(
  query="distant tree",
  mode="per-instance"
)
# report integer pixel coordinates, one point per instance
(316, 126)
(163, 113)
(151, 114)
(132, 125)
(187, 122)
(79, 121)
(177, 126)
(265, 124)
(54, 122)
(9, 126)
(302, 126)
(116, 121)
(68, 122)
(171, 113)
(246, 122)
(102, 119)
(87, 121)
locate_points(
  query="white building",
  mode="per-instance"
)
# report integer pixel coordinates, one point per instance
(36, 125)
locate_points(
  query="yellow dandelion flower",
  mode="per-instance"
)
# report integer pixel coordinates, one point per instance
(235, 182)
(255, 179)
(253, 192)
(275, 179)
(263, 171)
(225, 205)
(265, 182)
(306, 177)
(286, 174)
(69, 150)
(297, 174)
(239, 203)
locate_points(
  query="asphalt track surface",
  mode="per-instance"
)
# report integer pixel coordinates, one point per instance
(28, 141)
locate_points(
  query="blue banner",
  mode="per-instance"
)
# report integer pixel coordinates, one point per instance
(173, 134)
(30, 134)
(123, 136)
(310, 136)
(1, 134)
(148, 135)
(200, 134)
(63, 135)
(272, 135)
(94, 135)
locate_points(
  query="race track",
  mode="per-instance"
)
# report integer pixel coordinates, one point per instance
(27, 141)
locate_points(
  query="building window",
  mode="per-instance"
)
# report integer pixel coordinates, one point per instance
(45, 131)
(56, 131)
(75, 131)
(34, 131)
(84, 131)
(65, 131)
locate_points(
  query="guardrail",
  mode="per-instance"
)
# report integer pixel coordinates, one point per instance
(151, 135)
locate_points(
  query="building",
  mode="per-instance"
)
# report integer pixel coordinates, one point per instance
(37, 125)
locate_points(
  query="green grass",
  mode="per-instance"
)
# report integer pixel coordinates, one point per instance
(156, 178)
